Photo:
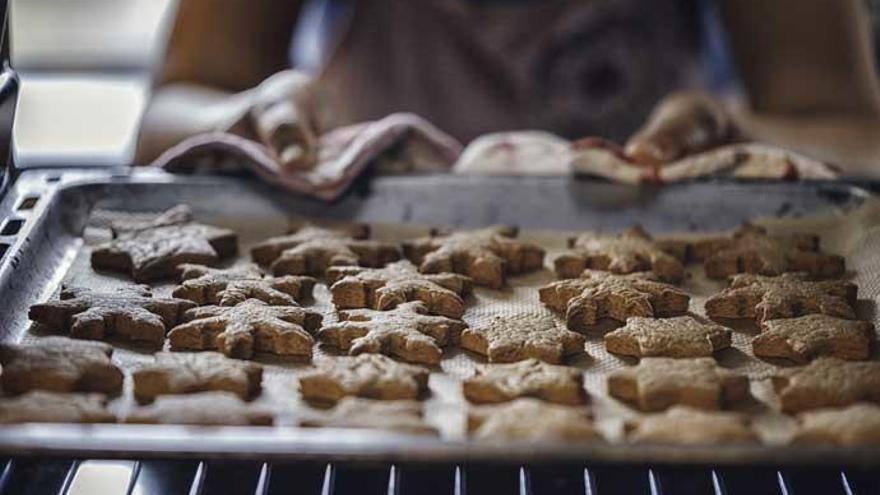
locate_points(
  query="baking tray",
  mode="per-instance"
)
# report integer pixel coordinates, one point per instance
(45, 214)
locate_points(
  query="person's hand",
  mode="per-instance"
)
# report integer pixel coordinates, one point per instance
(282, 118)
(681, 124)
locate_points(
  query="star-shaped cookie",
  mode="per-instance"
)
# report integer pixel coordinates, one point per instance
(827, 382)
(858, 424)
(486, 255)
(678, 337)
(310, 250)
(401, 416)
(596, 295)
(50, 407)
(751, 250)
(786, 296)
(628, 252)
(528, 378)
(658, 383)
(176, 215)
(153, 253)
(531, 420)
(396, 283)
(505, 339)
(239, 331)
(58, 364)
(230, 286)
(685, 426)
(802, 339)
(372, 376)
(204, 408)
(131, 313)
(406, 331)
(189, 373)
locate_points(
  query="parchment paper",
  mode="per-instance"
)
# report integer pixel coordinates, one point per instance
(856, 235)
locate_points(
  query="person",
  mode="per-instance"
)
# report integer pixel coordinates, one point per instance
(802, 73)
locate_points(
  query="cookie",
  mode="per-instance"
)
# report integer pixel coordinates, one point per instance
(310, 250)
(528, 378)
(154, 253)
(827, 382)
(399, 282)
(176, 215)
(189, 373)
(50, 407)
(685, 426)
(631, 251)
(402, 416)
(230, 286)
(596, 295)
(486, 255)
(807, 337)
(239, 331)
(505, 339)
(531, 420)
(406, 331)
(372, 376)
(204, 408)
(658, 383)
(57, 364)
(677, 337)
(130, 313)
(851, 426)
(751, 250)
(786, 296)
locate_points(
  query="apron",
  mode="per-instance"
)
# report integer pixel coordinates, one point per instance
(575, 68)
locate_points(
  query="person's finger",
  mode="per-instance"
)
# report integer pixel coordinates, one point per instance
(286, 131)
(281, 116)
(681, 124)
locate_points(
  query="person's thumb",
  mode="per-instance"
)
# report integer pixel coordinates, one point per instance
(281, 116)
(681, 124)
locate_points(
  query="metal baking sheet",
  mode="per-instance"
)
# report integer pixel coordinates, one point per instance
(50, 235)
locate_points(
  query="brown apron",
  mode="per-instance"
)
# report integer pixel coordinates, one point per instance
(573, 67)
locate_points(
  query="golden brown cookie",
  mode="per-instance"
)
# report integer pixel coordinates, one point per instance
(596, 295)
(528, 378)
(659, 383)
(827, 382)
(151, 252)
(57, 364)
(751, 250)
(807, 337)
(531, 420)
(50, 407)
(310, 250)
(406, 331)
(685, 426)
(402, 416)
(131, 313)
(631, 251)
(189, 373)
(858, 424)
(505, 339)
(204, 408)
(677, 337)
(786, 296)
(372, 376)
(486, 255)
(230, 286)
(239, 331)
(399, 282)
